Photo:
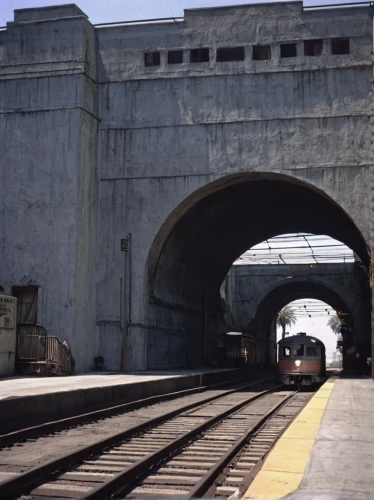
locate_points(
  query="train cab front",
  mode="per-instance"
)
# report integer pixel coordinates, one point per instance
(301, 361)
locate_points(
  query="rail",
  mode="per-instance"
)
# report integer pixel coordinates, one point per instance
(17, 484)
(84, 418)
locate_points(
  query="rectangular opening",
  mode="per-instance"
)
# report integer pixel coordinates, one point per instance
(199, 55)
(313, 47)
(286, 352)
(152, 59)
(340, 46)
(175, 57)
(226, 54)
(297, 349)
(27, 303)
(261, 52)
(288, 50)
(312, 351)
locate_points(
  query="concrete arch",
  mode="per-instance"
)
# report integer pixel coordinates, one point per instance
(232, 214)
(285, 293)
(197, 243)
(288, 291)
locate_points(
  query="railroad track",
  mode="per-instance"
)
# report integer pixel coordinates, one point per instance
(185, 455)
(46, 428)
(223, 460)
(19, 480)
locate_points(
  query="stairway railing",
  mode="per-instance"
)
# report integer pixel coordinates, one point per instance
(38, 353)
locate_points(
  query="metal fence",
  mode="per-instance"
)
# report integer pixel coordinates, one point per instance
(40, 354)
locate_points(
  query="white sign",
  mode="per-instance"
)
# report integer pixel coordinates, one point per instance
(7, 312)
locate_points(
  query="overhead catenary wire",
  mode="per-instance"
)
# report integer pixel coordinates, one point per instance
(298, 248)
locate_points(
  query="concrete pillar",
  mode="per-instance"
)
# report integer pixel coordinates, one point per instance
(48, 143)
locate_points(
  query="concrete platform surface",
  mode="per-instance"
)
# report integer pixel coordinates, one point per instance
(15, 387)
(26, 401)
(328, 451)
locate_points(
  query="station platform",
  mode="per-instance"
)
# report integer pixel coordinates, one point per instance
(327, 453)
(27, 400)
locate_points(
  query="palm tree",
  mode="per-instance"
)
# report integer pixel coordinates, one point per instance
(286, 317)
(334, 323)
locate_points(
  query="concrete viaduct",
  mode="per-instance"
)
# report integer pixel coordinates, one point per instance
(190, 140)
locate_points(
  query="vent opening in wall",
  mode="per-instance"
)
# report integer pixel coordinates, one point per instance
(226, 54)
(175, 57)
(288, 50)
(261, 52)
(152, 59)
(313, 47)
(340, 46)
(199, 55)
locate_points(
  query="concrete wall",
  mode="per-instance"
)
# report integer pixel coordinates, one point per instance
(75, 185)
(170, 130)
(48, 130)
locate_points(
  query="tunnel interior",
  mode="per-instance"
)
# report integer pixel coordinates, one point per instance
(210, 229)
(196, 247)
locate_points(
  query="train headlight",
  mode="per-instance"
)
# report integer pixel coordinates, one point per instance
(297, 362)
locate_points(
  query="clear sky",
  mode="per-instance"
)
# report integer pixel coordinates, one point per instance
(100, 11)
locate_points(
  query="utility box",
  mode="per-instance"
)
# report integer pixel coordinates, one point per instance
(8, 335)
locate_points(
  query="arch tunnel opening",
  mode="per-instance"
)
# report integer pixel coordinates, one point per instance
(313, 318)
(198, 243)
(285, 294)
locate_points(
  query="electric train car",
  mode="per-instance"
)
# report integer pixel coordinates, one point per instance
(301, 360)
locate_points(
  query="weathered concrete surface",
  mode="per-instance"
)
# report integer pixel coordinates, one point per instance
(48, 149)
(173, 161)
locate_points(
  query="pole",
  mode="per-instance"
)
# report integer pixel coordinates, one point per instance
(124, 304)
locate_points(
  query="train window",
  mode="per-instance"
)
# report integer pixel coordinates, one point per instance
(286, 352)
(311, 351)
(298, 350)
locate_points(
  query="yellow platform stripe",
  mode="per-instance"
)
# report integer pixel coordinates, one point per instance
(284, 466)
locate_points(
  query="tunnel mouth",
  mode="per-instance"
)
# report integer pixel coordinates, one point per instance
(200, 240)
(286, 293)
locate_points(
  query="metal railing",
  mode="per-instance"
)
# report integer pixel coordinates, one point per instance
(39, 353)
(57, 354)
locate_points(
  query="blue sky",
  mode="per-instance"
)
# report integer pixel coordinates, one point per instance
(100, 11)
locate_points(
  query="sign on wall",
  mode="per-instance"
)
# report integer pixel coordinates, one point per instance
(7, 316)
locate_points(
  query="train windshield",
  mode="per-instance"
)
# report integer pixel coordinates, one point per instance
(297, 350)
(311, 351)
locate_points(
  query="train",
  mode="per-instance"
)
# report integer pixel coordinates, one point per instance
(301, 360)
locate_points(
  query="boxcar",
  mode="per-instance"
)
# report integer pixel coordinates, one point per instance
(301, 360)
